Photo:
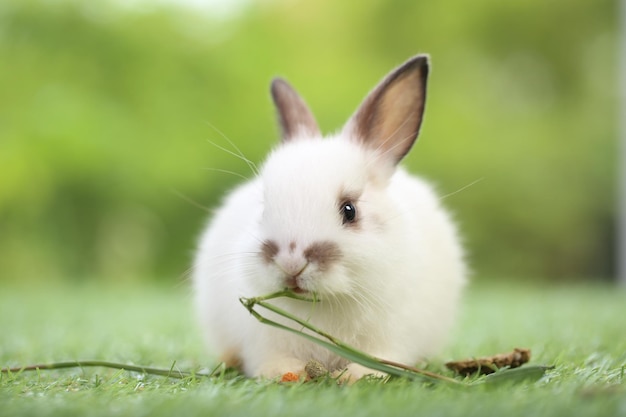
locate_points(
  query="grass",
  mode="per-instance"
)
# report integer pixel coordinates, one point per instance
(579, 329)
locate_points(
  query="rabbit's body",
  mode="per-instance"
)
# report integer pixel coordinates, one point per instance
(333, 217)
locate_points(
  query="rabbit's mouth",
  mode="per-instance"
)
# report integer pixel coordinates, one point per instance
(299, 290)
(293, 284)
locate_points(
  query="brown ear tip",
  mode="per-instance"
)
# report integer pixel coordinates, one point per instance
(278, 84)
(422, 62)
(278, 81)
(422, 59)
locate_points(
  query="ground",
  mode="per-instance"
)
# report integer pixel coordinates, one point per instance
(580, 329)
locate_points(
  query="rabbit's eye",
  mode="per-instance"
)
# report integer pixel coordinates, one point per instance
(348, 211)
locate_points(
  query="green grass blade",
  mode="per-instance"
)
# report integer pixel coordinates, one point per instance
(515, 375)
(338, 347)
(170, 373)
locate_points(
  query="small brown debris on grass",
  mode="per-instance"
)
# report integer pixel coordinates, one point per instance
(490, 364)
(314, 369)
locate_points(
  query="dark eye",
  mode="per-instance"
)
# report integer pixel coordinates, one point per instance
(348, 211)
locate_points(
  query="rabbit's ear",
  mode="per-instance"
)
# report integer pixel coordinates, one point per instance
(294, 115)
(389, 118)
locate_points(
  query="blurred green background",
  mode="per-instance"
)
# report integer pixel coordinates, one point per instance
(108, 111)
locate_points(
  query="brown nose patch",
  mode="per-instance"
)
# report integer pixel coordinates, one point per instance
(324, 254)
(269, 249)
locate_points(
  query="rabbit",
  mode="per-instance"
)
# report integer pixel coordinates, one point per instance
(336, 217)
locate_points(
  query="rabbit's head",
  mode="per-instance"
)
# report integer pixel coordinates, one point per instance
(327, 218)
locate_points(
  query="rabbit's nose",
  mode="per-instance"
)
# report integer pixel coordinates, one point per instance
(291, 266)
(293, 269)
(289, 260)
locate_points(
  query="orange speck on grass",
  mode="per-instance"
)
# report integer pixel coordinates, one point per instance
(290, 377)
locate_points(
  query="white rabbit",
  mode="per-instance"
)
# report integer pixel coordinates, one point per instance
(334, 216)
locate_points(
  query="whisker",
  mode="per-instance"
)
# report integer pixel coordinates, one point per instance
(236, 155)
(238, 256)
(261, 241)
(225, 171)
(462, 188)
(190, 200)
(369, 296)
(238, 152)
(184, 277)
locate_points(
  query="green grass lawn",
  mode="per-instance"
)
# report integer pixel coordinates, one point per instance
(581, 330)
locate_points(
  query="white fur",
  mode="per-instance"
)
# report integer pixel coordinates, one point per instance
(393, 293)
